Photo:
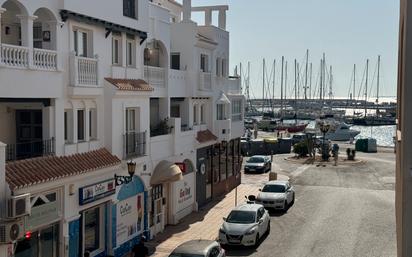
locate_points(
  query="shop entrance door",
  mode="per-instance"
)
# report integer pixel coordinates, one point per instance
(42, 243)
(158, 215)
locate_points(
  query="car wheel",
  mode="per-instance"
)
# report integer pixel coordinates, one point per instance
(293, 200)
(268, 229)
(257, 240)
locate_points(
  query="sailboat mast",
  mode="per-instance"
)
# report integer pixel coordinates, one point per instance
(324, 77)
(298, 80)
(377, 86)
(310, 82)
(273, 86)
(366, 86)
(263, 87)
(281, 89)
(296, 92)
(321, 79)
(306, 74)
(330, 83)
(354, 82)
(286, 80)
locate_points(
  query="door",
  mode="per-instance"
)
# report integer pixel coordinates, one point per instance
(201, 184)
(29, 133)
(158, 215)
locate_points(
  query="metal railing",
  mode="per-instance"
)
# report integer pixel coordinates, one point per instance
(205, 80)
(155, 76)
(134, 144)
(27, 150)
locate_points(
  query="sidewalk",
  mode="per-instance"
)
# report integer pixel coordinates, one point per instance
(203, 224)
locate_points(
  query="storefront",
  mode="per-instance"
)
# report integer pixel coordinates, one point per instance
(129, 217)
(218, 170)
(89, 233)
(183, 192)
(43, 226)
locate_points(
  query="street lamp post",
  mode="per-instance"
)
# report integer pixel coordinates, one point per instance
(131, 168)
(324, 128)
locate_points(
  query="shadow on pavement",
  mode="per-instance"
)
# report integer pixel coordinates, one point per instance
(182, 226)
(233, 250)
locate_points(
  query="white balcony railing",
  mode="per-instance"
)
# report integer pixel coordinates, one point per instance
(84, 71)
(45, 59)
(205, 81)
(15, 56)
(155, 76)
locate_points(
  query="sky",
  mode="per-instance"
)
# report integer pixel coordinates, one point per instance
(348, 32)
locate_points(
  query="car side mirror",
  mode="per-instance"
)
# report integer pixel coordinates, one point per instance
(260, 221)
(224, 218)
(260, 189)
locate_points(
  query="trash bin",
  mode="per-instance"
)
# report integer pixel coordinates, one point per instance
(273, 176)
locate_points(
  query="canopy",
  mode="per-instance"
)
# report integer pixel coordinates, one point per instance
(223, 99)
(165, 171)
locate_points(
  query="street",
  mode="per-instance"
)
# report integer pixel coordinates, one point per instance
(346, 210)
(339, 211)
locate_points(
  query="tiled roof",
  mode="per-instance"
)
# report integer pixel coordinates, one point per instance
(205, 136)
(33, 171)
(130, 84)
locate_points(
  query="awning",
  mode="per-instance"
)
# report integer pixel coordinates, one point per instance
(223, 99)
(165, 171)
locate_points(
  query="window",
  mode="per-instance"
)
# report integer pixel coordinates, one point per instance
(130, 120)
(218, 67)
(236, 110)
(129, 8)
(195, 114)
(175, 61)
(92, 223)
(116, 50)
(202, 114)
(80, 125)
(37, 36)
(221, 115)
(80, 43)
(204, 63)
(66, 136)
(223, 68)
(130, 53)
(92, 124)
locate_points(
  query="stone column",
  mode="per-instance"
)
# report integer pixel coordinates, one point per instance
(3, 184)
(27, 34)
(187, 10)
(55, 35)
(222, 19)
(208, 17)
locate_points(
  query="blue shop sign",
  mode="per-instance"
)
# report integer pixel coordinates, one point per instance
(96, 191)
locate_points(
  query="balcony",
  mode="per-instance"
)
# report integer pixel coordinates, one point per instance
(234, 86)
(31, 149)
(205, 81)
(155, 76)
(134, 144)
(84, 71)
(19, 57)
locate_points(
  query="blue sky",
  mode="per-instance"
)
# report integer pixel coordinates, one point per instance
(348, 31)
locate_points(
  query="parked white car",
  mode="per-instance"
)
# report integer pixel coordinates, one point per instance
(245, 225)
(277, 195)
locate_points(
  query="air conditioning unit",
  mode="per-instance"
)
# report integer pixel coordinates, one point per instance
(18, 206)
(11, 231)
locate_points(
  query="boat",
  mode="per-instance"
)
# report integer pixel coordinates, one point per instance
(379, 118)
(338, 131)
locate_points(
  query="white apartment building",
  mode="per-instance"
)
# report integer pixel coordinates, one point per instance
(87, 88)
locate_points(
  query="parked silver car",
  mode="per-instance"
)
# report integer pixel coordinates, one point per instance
(199, 248)
(258, 163)
(276, 194)
(245, 225)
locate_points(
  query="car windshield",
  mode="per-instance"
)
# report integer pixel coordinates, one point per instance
(241, 217)
(273, 189)
(185, 255)
(256, 160)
